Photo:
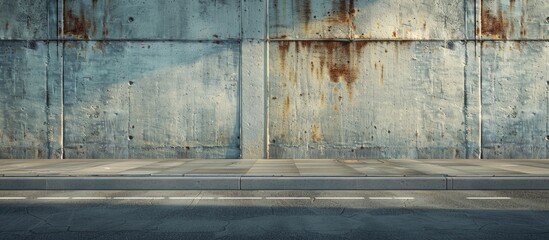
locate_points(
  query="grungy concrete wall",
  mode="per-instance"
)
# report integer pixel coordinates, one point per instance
(274, 79)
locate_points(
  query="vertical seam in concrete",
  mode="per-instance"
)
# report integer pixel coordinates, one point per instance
(60, 38)
(466, 103)
(266, 90)
(129, 119)
(479, 47)
(47, 100)
(239, 88)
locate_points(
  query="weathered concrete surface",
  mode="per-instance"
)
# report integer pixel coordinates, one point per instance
(130, 19)
(512, 19)
(143, 100)
(30, 100)
(368, 100)
(28, 19)
(277, 78)
(369, 19)
(514, 99)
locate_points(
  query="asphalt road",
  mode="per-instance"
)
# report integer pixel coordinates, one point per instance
(274, 215)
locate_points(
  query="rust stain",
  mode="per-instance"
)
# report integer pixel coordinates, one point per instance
(322, 99)
(394, 34)
(339, 60)
(105, 31)
(75, 25)
(493, 24)
(283, 48)
(381, 80)
(522, 20)
(316, 133)
(304, 10)
(286, 108)
(340, 15)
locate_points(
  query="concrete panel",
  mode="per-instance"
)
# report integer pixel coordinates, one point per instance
(151, 100)
(514, 99)
(28, 19)
(406, 19)
(367, 100)
(368, 19)
(253, 99)
(254, 19)
(30, 100)
(512, 19)
(131, 19)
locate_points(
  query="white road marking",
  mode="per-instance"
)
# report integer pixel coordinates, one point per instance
(488, 198)
(89, 198)
(380, 198)
(391, 198)
(12, 198)
(138, 198)
(403, 198)
(339, 198)
(240, 198)
(191, 198)
(53, 198)
(288, 198)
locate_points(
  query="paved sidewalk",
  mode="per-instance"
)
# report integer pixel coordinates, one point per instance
(266, 174)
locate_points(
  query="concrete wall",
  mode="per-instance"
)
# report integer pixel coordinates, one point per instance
(274, 78)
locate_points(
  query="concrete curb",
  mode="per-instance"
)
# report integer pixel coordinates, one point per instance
(120, 183)
(208, 182)
(342, 183)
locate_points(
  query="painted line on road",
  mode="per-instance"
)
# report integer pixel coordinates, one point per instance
(488, 198)
(53, 198)
(90, 198)
(12, 198)
(191, 198)
(391, 198)
(138, 198)
(339, 198)
(288, 198)
(236, 198)
(240, 198)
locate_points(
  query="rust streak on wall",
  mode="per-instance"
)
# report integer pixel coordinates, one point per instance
(304, 8)
(316, 134)
(75, 25)
(283, 48)
(493, 24)
(286, 109)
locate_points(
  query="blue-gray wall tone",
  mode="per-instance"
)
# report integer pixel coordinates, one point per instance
(450, 79)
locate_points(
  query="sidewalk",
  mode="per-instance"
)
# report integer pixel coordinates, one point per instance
(273, 174)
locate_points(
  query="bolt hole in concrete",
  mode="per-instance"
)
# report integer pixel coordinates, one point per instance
(130, 83)
(547, 20)
(547, 137)
(130, 19)
(130, 137)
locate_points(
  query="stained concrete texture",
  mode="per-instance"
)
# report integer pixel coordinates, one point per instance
(343, 79)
